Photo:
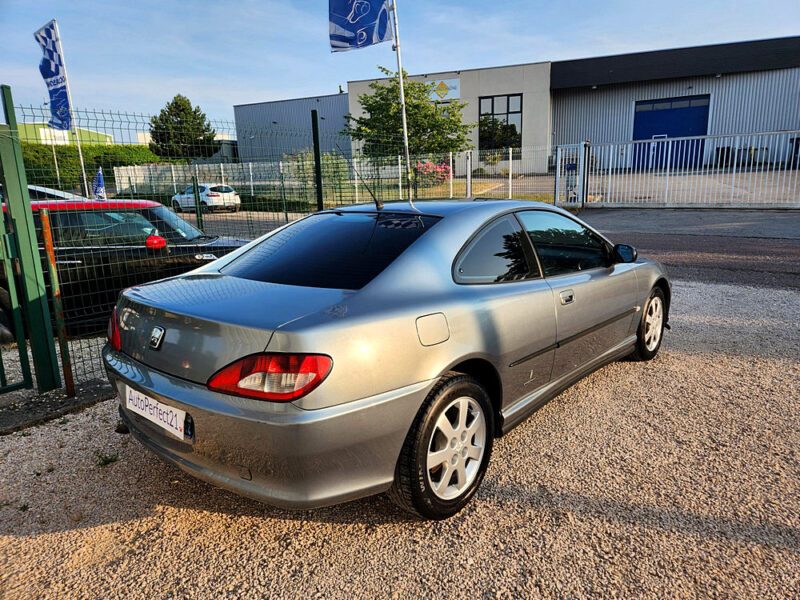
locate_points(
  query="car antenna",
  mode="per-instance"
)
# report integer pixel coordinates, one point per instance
(378, 203)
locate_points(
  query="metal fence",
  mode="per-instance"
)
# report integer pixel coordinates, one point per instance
(735, 171)
(180, 202)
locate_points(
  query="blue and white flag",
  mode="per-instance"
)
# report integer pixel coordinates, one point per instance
(358, 23)
(99, 186)
(55, 75)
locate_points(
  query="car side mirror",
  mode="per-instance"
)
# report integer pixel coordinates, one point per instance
(155, 242)
(623, 253)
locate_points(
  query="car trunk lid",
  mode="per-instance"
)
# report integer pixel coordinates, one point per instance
(209, 320)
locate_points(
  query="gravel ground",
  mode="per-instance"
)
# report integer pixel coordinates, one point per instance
(675, 478)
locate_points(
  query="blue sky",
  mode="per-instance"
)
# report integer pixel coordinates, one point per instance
(136, 55)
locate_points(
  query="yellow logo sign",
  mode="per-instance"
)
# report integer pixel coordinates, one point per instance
(441, 90)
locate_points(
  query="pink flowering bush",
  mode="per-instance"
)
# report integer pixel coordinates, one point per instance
(431, 173)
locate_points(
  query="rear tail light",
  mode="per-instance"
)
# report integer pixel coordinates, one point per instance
(277, 377)
(113, 331)
(212, 195)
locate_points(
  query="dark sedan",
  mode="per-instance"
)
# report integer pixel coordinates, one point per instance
(104, 247)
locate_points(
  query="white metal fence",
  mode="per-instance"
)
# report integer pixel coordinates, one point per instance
(746, 171)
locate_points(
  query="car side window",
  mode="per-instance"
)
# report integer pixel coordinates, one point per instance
(201, 188)
(563, 245)
(497, 254)
(187, 191)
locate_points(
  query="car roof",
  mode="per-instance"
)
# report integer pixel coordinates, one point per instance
(91, 204)
(444, 208)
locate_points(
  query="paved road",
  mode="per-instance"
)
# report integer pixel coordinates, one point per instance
(760, 248)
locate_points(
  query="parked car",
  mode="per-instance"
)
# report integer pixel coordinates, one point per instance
(213, 197)
(357, 350)
(103, 247)
(37, 192)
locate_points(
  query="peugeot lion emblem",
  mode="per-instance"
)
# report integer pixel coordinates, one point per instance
(156, 336)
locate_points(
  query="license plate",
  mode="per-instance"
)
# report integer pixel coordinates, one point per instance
(167, 417)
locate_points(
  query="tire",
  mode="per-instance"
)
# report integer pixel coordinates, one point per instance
(651, 328)
(446, 487)
(176, 206)
(204, 208)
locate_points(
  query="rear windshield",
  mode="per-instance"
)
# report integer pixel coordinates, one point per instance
(331, 250)
(222, 189)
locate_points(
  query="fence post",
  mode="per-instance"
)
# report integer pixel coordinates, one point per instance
(451, 174)
(735, 160)
(355, 176)
(174, 185)
(509, 171)
(198, 210)
(669, 163)
(581, 172)
(468, 159)
(399, 178)
(23, 242)
(283, 190)
(58, 307)
(250, 168)
(317, 158)
(557, 192)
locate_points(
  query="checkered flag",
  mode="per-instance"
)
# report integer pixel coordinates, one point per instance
(55, 75)
(48, 40)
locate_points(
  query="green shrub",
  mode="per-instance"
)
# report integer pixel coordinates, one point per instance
(479, 172)
(40, 169)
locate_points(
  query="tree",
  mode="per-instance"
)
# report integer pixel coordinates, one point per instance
(181, 130)
(432, 128)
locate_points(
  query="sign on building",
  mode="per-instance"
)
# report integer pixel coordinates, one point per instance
(445, 89)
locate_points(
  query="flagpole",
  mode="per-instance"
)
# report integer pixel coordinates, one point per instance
(71, 112)
(402, 101)
(51, 131)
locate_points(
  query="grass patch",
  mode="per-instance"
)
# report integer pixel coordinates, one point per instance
(23, 507)
(104, 460)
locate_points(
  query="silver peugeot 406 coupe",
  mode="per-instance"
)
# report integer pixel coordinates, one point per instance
(364, 350)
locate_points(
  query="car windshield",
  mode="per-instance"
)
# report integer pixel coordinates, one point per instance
(120, 226)
(174, 229)
(331, 250)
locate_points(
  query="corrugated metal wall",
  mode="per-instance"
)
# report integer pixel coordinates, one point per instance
(740, 103)
(267, 130)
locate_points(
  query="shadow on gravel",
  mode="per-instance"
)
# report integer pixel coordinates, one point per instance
(776, 535)
(138, 485)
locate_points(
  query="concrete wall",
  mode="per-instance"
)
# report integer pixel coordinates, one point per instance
(531, 80)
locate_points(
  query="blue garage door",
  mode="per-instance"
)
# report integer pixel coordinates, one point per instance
(670, 118)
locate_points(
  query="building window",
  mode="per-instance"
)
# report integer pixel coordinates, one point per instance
(500, 122)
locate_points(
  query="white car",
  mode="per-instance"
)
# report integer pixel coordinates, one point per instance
(212, 197)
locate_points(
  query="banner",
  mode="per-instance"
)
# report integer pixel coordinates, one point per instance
(358, 23)
(55, 76)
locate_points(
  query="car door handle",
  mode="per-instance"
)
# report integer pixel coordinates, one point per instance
(567, 297)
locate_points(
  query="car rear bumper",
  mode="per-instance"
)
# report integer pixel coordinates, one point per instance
(274, 452)
(223, 204)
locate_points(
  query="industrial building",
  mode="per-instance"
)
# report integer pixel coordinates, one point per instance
(722, 89)
(268, 130)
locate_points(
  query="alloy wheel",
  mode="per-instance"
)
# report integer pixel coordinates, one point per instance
(653, 323)
(456, 448)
